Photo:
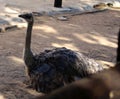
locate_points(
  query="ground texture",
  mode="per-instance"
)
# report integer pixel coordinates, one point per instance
(94, 34)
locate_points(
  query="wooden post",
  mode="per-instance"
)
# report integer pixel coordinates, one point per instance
(58, 3)
(118, 49)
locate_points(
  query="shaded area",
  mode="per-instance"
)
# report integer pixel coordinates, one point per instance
(91, 38)
(99, 86)
(84, 33)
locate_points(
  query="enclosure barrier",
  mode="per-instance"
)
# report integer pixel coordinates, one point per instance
(58, 3)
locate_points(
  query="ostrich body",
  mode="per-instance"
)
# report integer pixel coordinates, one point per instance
(98, 86)
(52, 69)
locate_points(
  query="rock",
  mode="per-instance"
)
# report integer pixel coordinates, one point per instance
(63, 18)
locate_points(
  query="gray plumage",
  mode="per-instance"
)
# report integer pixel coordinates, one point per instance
(54, 68)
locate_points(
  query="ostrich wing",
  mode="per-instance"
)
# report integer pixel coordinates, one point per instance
(69, 62)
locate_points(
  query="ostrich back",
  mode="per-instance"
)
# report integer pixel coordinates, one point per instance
(68, 62)
(56, 67)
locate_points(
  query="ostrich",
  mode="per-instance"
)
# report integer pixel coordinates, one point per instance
(54, 68)
(98, 86)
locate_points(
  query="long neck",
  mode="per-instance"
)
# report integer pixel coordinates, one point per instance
(28, 55)
(28, 36)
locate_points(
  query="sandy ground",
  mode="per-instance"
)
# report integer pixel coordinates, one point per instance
(10, 9)
(47, 5)
(95, 35)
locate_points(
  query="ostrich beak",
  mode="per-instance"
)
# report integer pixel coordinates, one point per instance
(26, 15)
(22, 16)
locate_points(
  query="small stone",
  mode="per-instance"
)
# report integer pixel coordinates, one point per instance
(10, 27)
(100, 6)
(63, 18)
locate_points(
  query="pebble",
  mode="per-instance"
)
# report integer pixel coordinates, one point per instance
(63, 18)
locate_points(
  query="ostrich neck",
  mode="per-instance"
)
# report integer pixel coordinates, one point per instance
(28, 36)
(28, 55)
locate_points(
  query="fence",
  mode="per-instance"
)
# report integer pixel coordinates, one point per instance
(58, 3)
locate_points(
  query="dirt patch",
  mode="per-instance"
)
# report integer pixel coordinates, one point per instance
(95, 35)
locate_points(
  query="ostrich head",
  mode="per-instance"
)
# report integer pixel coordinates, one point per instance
(27, 16)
